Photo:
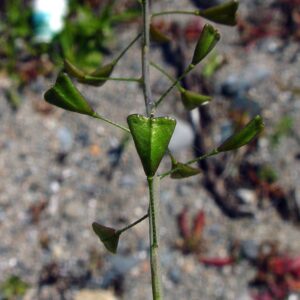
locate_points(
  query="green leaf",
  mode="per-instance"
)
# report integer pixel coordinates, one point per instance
(108, 236)
(183, 171)
(244, 136)
(223, 14)
(65, 95)
(157, 36)
(192, 100)
(95, 78)
(206, 42)
(151, 138)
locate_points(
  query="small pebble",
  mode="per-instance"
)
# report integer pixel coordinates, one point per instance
(174, 275)
(249, 249)
(66, 139)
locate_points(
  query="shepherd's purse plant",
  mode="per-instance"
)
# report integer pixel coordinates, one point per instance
(152, 134)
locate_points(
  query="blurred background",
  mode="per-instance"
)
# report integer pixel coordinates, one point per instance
(232, 232)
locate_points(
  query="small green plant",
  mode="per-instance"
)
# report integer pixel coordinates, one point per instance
(282, 128)
(15, 30)
(88, 30)
(13, 287)
(267, 174)
(86, 35)
(151, 134)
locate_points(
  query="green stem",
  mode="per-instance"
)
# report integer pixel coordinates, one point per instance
(126, 49)
(133, 224)
(176, 82)
(176, 12)
(89, 77)
(212, 153)
(153, 183)
(145, 58)
(97, 116)
(173, 80)
(173, 160)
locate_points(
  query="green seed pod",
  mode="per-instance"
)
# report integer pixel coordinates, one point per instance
(223, 14)
(151, 137)
(95, 78)
(183, 171)
(108, 236)
(206, 42)
(157, 36)
(244, 136)
(192, 100)
(103, 71)
(65, 95)
(72, 70)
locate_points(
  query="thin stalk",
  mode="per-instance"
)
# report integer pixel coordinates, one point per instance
(162, 71)
(177, 12)
(172, 79)
(133, 224)
(87, 77)
(153, 183)
(127, 48)
(173, 160)
(212, 153)
(97, 116)
(145, 57)
(176, 82)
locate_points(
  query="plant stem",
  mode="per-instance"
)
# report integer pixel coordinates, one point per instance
(160, 69)
(176, 82)
(87, 77)
(153, 183)
(133, 224)
(145, 57)
(127, 48)
(97, 116)
(212, 153)
(181, 12)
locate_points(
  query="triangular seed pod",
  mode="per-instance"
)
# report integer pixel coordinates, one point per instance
(108, 236)
(244, 136)
(223, 14)
(206, 42)
(192, 100)
(151, 137)
(95, 78)
(183, 171)
(73, 70)
(65, 95)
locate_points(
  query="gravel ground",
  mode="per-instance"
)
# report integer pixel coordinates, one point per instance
(54, 184)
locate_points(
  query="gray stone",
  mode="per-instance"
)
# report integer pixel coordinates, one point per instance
(249, 249)
(246, 196)
(66, 139)
(182, 138)
(174, 275)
